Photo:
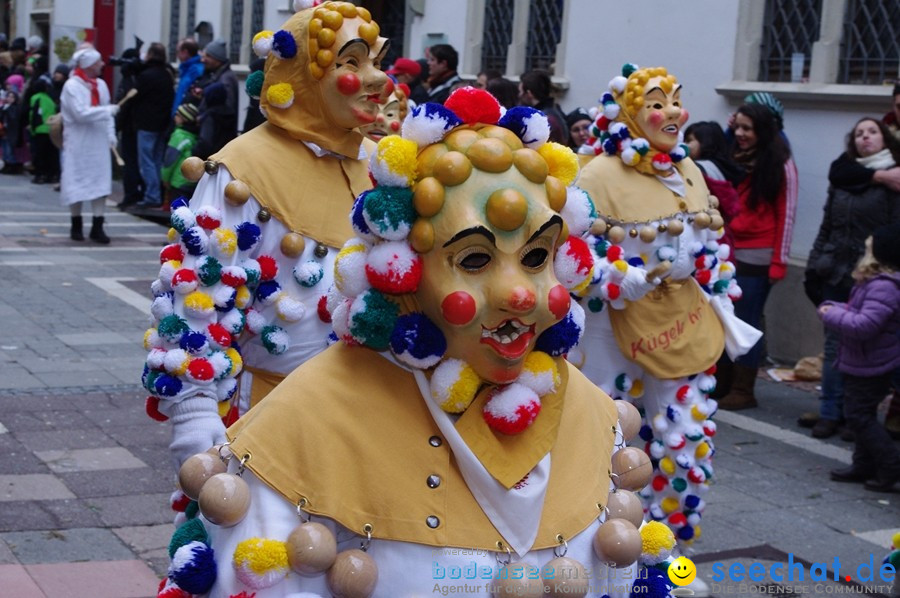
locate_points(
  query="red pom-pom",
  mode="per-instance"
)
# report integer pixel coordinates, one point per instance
(709, 428)
(171, 252)
(268, 267)
(184, 276)
(511, 414)
(711, 370)
(169, 589)
(394, 268)
(613, 253)
(602, 123)
(677, 519)
(151, 406)
(613, 291)
(703, 276)
(683, 394)
(232, 416)
(234, 276)
(322, 309)
(696, 475)
(662, 161)
(700, 262)
(180, 503)
(219, 335)
(473, 106)
(205, 220)
(660, 482)
(200, 369)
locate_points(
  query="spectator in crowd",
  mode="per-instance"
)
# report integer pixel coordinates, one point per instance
(442, 76)
(190, 68)
(58, 79)
(578, 124)
(44, 155)
(710, 151)
(762, 230)
(852, 213)
(89, 133)
(506, 92)
(223, 111)
(17, 51)
(254, 116)
(155, 92)
(892, 118)
(405, 71)
(418, 89)
(213, 132)
(869, 328)
(180, 147)
(132, 183)
(535, 90)
(484, 76)
(10, 117)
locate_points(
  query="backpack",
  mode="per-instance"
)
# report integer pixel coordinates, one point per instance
(55, 122)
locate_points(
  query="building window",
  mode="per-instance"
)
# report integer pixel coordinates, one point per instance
(120, 15)
(544, 33)
(789, 29)
(237, 31)
(870, 50)
(174, 18)
(192, 16)
(256, 17)
(498, 24)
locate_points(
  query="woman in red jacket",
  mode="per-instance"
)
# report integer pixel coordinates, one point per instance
(761, 229)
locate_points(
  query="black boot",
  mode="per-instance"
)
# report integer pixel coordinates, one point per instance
(77, 233)
(97, 233)
(741, 395)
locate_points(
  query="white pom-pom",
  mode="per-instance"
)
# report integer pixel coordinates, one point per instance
(304, 4)
(657, 449)
(723, 251)
(255, 321)
(660, 423)
(262, 46)
(290, 309)
(166, 272)
(221, 364)
(424, 128)
(161, 307)
(225, 389)
(156, 359)
(175, 360)
(611, 111)
(350, 268)
(666, 253)
(537, 130)
(617, 84)
(541, 382)
(446, 374)
(340, 319)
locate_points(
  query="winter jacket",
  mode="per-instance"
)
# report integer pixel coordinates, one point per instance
(156, 92)
(869, 324)
(180, 145)
(226, 115)
(850, 216)
(769, 224)
(188, 71)
(42, 108)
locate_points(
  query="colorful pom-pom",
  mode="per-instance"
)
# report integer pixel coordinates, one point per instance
(195, 240)
(394, 268)
(193, 568)
(372, 317)
(275, 339)
(260, 563)
(223, 242)
(173, 251)
(171, 328)
(565, 334)
(574, 264)
(473, 106)
(454, 385)
(262, 43)
(209, 217)
(529, 124)
(428, 123)
(284, 45)
(350, 268)
(280, 95)
(209, 269)
(539, 373)
(389, 212)
(309, 273)
(233, 276)
(579, 212)
(289, 309)
(192, 530)
(254, 84)
(417, 342)
(182, 218)
(394, 163)
(198, 305)
(511, 409)
(561, 160)
(657, 542)
(184, 281)
(247, 235)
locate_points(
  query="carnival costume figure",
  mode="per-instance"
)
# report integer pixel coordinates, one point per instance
(659, 306)
(390, 116)
(240, 298)
(444, 440)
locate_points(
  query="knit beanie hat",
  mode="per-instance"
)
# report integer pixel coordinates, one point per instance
(769, 101)
(188, 112)
(18, 43)
(62, 69)
(17, 82)
(578, 114)
(886, 245)
(217, 49)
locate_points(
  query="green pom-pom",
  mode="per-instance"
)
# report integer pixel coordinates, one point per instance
(254, 84)
(150, 380)
(210, 271)
(389, 209)
(171, 327)
(595, 304)
(720, 287)
(192, 509)
(373, 325)
(628, 68)
(189, 531)
(679, 484)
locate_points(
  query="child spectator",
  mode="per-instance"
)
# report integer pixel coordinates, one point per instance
(46, 157)
(869, 324)
(180, 146)
(12, 130)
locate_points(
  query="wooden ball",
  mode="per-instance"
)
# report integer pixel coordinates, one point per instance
(531, 164)
(347, 10)
(192, 168)
(629, 419)
(428, 197)
(196, 470)
(624, 504)
(326, 36)
(224, 499)
(421, 237)
(490, 155)
(511, 140)
(461, 140)
(618, 542)
(237, 193)
(615, 235)
(598, 227)
(332, 19)
(647, 234)
(633, 468)
(713, 201)
(315, 70)
(701, 220)
(453, 168)
(364, 14)
(716, 222)
(324, 57)
(353, 575)
(311, 548)
(293, 244)
(510, 582)
(369, 32)
(565, 577)
(675, 227)
(426, 159)
(506, 209)
(315, 26)
(556, 193)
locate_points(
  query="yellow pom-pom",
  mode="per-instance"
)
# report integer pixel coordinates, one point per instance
(895, 541)
(237, 364)
(621, 266)
(260, 562)
(702, 450)
(561, 161)
(223, 408)
(147, 335)
(697, 414)
(349, 269)
(178, 369)
(396, 156)
(669, 504)
(454, 385)
(225, 241)
(172, 235)
(656, 538)
(634, 159)
(540, 373)
(280, 95)
(667, 466)
(198, 304)
(242, 297)
(262, 43)
(637, 389)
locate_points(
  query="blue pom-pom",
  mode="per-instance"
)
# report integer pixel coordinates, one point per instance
(195, 240)
(267, 289)
(428, 123)
(673, 414)
(283, 44)
(650, 583)
(193, 342)
(610, 146)
(193, 568)
(691, 501)
(529, 124)
(247, 235)
(166, 386)
(417, 342)
(332, 338)
(646, 433)
(181, 202)
(358, 220)
(685, 533)
(561, 337)
(635, 261)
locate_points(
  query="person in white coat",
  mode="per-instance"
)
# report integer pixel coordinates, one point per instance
(88, 134)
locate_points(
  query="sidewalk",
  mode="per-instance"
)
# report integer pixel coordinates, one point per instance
(85, 483)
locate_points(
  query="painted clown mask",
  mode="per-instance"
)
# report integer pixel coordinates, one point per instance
(661, 116)
(390, 116)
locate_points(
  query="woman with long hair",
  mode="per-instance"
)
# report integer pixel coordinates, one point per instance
(762, 230)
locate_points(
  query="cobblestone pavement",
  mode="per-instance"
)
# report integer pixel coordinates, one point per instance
(85, 478)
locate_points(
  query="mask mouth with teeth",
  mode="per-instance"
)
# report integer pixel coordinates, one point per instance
(453, 267)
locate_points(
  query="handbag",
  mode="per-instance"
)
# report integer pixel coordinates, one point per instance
(55, 122)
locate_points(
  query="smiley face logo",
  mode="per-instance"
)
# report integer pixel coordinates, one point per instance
(682, 571)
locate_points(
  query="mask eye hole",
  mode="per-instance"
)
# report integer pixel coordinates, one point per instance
(474, 261)
(535, 258)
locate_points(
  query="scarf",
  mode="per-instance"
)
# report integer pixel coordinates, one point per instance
(92, 83)
(878, 161)
(746, 159)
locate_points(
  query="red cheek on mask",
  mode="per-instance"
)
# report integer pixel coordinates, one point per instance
(559, 301)
(656, 118)
(521, 299)
(684, 117)
(458, 308)
(348, 84)
(395, 126)
(388, 89)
